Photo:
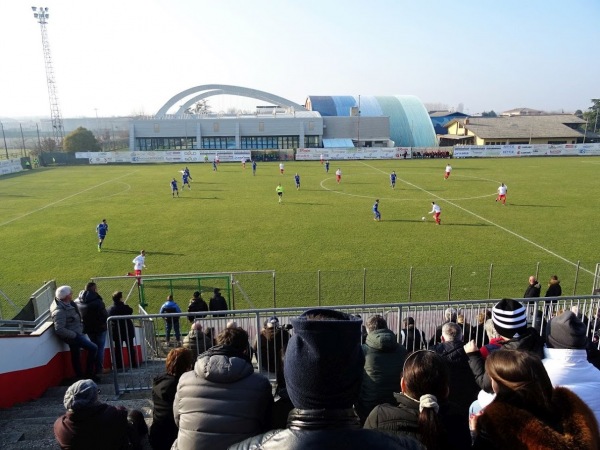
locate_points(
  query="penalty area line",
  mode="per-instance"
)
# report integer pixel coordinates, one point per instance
(65, 198)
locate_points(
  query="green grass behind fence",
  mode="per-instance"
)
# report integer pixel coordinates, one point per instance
(232, 221)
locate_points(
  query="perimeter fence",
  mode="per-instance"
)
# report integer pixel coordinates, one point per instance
(152, 347)
(271, 289)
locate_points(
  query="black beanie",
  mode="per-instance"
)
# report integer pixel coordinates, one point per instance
(566, 331)
(324, 360)
(509, 318)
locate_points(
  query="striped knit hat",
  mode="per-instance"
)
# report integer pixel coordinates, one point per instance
(509, 317)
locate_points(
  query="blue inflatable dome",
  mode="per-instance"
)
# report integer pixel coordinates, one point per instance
(410, 124)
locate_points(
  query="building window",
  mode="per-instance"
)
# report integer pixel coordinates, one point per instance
(268, 142)
(312, 142)
(218, 143)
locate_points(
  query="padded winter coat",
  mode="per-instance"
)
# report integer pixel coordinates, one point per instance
(384, 360)
(221, 402)
(337, 429)
(570, 369)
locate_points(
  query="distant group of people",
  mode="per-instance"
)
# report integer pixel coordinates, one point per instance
(339, 389)
(197, 308)
(82, 324)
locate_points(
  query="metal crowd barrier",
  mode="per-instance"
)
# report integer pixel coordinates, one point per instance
(152, 349)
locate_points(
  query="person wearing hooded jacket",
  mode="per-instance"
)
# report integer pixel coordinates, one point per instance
(554, 289)
(323, 369)
(93, 315)
(222, 400)
(384, 359)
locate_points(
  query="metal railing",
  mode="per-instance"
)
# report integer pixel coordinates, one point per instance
(426, 316)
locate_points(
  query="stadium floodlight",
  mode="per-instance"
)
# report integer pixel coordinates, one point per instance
(41, 15)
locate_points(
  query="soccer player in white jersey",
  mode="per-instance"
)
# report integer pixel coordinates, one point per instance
(502, 194)
(448, 170)
(436, 211)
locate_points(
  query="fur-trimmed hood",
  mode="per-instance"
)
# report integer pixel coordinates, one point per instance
(503, 426)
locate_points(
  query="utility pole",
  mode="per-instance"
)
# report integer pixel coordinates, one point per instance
(41, 15)
(4, 137)
(358, 128)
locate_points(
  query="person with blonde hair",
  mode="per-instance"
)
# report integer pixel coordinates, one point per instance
(527, 412)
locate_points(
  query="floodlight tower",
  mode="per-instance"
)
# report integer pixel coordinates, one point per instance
(41, 15)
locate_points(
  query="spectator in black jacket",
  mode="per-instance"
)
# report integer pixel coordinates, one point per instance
(450, 315)
(412, 338)
(197, 304)
(323, 370)
(217, 301)
(554, 289)
(422, 410)
(122, 331)
(93, 315)
(463, 387)
(533, 289)
(163, 430)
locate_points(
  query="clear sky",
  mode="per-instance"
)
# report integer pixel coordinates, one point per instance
(122, 57)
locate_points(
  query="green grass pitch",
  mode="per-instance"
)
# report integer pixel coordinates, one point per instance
(232, 221)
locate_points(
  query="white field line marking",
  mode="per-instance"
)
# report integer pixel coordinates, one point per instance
(489, 221)
(127, 188)
(63, 199)
(395, 199)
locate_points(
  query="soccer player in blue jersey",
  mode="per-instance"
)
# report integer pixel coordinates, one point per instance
(101, 229)
(187, 172)
(174, 188)
(376, 211)
(253, 167)
(327, 166)
(297, 180)
(393, 179)
(185, 181)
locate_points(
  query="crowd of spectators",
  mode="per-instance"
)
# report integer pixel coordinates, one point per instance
(498, 383)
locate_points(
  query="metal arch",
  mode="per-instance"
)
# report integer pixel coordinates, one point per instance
(181, 111)
(229, 90)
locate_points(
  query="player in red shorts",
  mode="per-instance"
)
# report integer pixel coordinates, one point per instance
(338, 175)
(139, 263)
(436, 211)
(502, 194)
(448, 170)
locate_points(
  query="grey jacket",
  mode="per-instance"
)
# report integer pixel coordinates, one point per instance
(221, 402)
(66, 318)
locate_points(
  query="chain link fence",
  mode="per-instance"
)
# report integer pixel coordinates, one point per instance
(270, 289)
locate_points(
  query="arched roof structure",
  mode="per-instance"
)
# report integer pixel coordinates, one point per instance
(209, 90)
(410, 124)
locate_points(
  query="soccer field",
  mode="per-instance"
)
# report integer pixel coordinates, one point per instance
(232, 221)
